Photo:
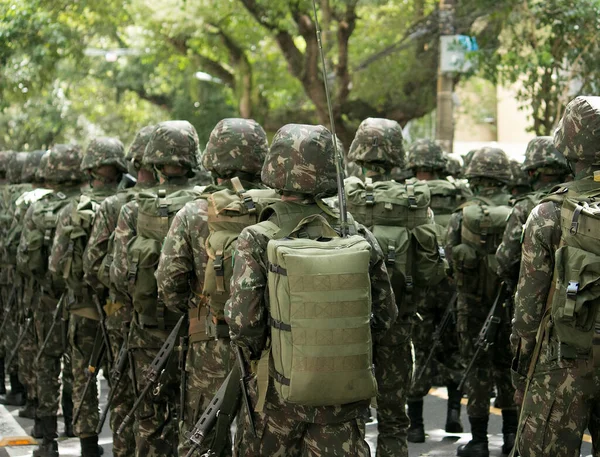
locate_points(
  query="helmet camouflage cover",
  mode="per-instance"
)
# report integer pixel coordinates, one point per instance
(489, 163)
(4, 160)
(426, 154)
(236, 146)
(453, 165)
(301, 159)
(519, 177)
(578, 133)
(15, 167)
(541, 153)
(172, 143)
(31, 166)
(135, 153)
(64, 161)
(378, 142)
(104, 151)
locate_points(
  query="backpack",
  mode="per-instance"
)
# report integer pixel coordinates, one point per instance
(474, 259)
(155, 214)
(320, 309)
(446, 196)
(575, 302)
(229, 212)
(399, 216)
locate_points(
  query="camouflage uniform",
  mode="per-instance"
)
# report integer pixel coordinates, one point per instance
(75, 222)
(60, 168)
(561, 390)
(301, 164)
(237, 147)
(171, 143)
(97, 259)
(433, 301)
(487, 170)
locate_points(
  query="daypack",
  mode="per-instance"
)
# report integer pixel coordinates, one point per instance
(474, 259)
(399, 216)
(229, 212)
(446, 196)
(155, 214)
(575, 301)
(320, 309)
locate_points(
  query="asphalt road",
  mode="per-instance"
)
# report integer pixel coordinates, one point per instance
(438, 442)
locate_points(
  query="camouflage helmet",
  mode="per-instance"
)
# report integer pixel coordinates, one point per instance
(425, 154)
(64, 161)
(378, 142)
(4, 160)
(236, 146)
(31, 166)
(519, 176)
(489, 163)
(104, 151)
(15, 167)
(578, 134)
(40, 173)
(301, 159)
(453, 165)
(467, 160)
(135, 153)
(541, 153)
(172, 143)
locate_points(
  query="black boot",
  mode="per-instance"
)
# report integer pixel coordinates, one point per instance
(49, 446)
(453, 424)
(67, 407)
(2, 378)
(416, 431)
(16, 397)
(28, 411)
(510, 421)
(89, 446)
(478, 446)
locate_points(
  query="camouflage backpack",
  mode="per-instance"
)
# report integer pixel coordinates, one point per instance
(320, 308)
(155, 214)
(229, 212)
(399, 216)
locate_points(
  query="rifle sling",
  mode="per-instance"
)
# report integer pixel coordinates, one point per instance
(262, 379)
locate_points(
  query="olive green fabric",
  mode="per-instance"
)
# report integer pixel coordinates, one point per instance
(446, 196)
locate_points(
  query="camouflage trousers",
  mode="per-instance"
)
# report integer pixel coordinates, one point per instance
(82, 334)
(208, 364)
(563, 399)
(156, 418)
(124, 397)
(492, 368)
(393, 370)
(26, 361)
(48, 367)
(11, 330)
(445, 367)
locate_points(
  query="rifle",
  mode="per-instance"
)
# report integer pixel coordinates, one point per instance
(98, 353)
(127, 181)
(8, 309)
(244, 388)
(489, 330)
(102, 328)
(115, 379)
(183, 348)
(437, 335)
(154, 372)
(55, 317)
(20, 340)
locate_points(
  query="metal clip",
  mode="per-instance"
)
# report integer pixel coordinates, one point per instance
(572, 290)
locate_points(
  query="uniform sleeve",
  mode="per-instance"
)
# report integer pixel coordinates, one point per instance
(22, 257)
(453, 237)
(175, 270)
(246, 312)
(124, 233)
(542, 236)
(97, 246)
(509, 251)
(60, 244)
(384, 307)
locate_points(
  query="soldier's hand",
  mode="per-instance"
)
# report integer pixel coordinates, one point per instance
(518, 397)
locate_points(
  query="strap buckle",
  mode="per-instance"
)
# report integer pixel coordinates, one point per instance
(572, 290)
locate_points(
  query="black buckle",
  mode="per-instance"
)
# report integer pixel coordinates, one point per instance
(218, 265)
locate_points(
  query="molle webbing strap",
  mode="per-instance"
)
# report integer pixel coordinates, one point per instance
(248, 202)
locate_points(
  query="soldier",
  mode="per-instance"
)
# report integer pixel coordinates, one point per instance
(453, 166)
(97, 259)
(519, 184)
(474, 233)
(556, 313)
(301, 165)
(236, 149)
(103, 162)
(428, 163)
(545, 168)
(141, 228)
(60, 168)
(12, 287)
